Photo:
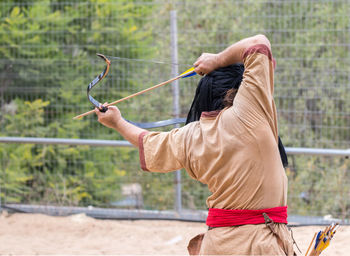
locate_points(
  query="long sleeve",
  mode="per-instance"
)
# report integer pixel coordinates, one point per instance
(165, 151)
(254, 101)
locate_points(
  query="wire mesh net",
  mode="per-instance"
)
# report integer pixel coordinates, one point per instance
(48, 57)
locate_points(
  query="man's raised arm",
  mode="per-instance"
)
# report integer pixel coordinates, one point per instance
(208, 62)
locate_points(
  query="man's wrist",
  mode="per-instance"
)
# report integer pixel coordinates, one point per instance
(119, 123)
(220, 60)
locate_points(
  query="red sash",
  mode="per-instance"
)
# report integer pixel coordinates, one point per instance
(228, 218)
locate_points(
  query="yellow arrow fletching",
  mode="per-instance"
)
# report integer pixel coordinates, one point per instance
(187, 72)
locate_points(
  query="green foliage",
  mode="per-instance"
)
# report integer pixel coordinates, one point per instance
(43, 87)
(64, 175)
(26, 118)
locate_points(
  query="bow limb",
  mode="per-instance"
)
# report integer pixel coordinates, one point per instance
(157, 124)
(104, 73)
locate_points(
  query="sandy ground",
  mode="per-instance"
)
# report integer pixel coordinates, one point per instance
(36, 234)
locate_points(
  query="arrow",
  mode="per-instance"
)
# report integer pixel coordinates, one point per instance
(187, 73)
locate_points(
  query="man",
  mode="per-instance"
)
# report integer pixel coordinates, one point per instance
(233, 150)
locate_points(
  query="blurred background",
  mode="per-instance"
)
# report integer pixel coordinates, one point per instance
(48, 57)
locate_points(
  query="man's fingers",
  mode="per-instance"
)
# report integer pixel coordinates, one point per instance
(98, 113)
(199, 71)
(206, 63)
(198, 62)
(198, 68)
(198, 65)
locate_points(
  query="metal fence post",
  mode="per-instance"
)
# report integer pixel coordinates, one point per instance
(2, 176)
(175, 92)
(0, 197)
(2, 181)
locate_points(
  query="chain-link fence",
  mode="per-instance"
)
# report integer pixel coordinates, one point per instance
(47, 59)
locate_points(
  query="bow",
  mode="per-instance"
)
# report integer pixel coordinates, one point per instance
(95, 81)
(97, 104)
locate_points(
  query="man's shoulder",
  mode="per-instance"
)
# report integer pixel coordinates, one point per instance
(258, 49)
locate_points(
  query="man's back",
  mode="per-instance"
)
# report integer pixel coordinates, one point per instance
(241, 165)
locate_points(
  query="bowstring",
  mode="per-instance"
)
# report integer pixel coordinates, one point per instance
(144, 60)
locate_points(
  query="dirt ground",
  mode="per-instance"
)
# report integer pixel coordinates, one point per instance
(36, 234)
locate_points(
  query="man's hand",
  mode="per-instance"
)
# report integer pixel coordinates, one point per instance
(206, 63)
(110, 118)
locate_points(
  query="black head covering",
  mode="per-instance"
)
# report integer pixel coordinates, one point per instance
(212, 89)
(211, 92)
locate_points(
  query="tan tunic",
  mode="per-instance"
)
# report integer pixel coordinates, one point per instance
(235, 152)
